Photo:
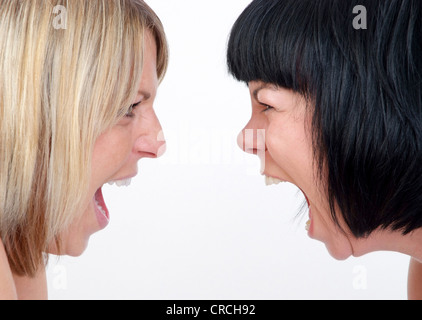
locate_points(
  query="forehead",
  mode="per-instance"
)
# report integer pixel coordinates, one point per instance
(149, 80)
(150, 53)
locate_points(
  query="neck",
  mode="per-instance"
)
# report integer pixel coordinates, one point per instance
(387, 240)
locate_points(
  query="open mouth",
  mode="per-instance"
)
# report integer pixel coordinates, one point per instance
(101, 209)
(274, 181)
(309, 222)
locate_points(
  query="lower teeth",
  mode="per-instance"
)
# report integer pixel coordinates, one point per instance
(99, 207)
(308, 225)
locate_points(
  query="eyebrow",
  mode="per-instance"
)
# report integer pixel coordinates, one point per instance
(145, 95)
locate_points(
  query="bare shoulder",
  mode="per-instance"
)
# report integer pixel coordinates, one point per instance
(13, 287)
(415, 280)
(7, 285)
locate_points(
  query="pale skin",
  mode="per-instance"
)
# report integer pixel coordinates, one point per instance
(115, 157)
(415, 280)
(7, 285)
(286, 154)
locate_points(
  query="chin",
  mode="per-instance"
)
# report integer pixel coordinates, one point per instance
(75, 253)
(339, 255)
(76, 248)
(339, 251)
(338, 245)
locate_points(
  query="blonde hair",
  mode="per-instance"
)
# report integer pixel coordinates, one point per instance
(59, 90)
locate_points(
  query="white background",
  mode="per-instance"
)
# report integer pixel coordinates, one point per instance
(199, 223)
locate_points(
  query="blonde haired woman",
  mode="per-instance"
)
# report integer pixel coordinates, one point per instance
(76, 112)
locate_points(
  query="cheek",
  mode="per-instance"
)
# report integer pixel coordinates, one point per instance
(110, 153)
(275, 140)
(289, 148)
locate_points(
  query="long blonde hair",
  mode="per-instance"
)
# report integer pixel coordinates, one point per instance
(60, 88)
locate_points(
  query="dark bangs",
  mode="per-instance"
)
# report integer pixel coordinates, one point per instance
(274, 44)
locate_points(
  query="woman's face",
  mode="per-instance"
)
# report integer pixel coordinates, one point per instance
(116, 153)
(279, 132)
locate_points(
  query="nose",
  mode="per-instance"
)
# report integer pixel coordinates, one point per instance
(151, 142)
(252, 140)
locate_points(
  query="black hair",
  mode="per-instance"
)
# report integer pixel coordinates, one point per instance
(365, 88)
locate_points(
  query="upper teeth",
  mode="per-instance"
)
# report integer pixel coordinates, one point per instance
(270, 181)
(121, 183)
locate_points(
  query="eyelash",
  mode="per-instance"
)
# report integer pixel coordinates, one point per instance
(130, 114)
(267, 108)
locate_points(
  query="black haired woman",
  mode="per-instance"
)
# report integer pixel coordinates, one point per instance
(340, 102)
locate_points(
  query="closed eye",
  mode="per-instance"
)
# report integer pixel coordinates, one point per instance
(132, 108)
(266, 107)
